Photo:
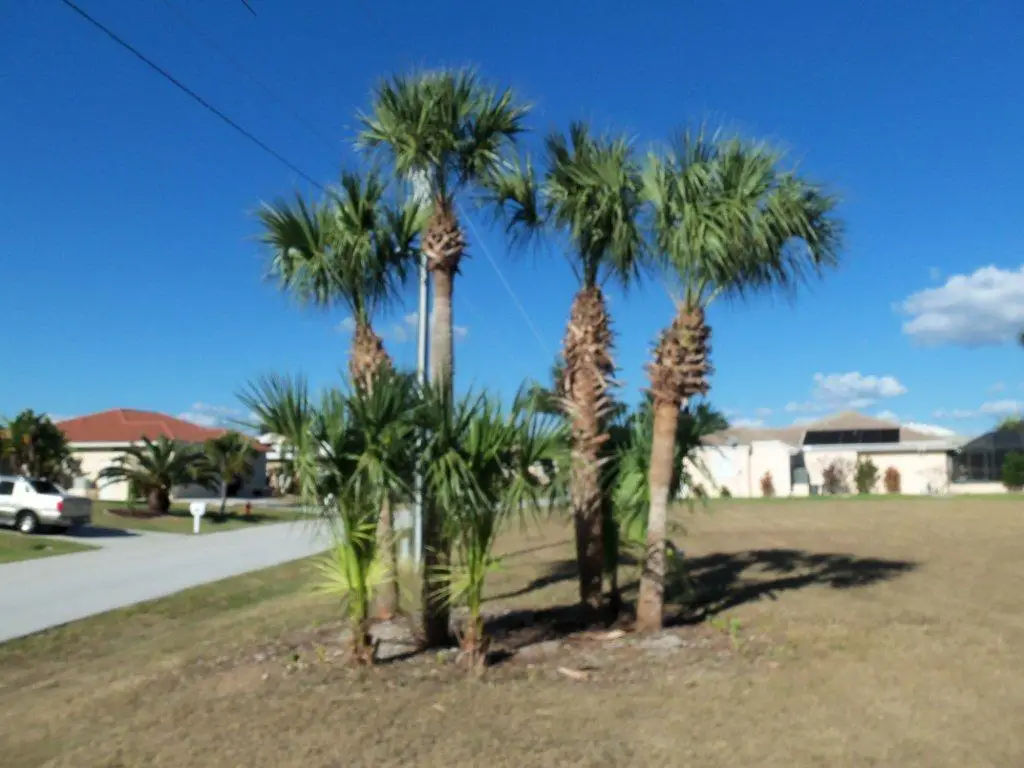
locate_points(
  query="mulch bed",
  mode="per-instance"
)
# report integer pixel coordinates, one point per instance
(143, 514)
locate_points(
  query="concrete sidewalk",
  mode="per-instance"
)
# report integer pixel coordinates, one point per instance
(131, 567)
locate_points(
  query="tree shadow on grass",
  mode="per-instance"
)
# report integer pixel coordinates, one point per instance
(712, 584)
(721, 581)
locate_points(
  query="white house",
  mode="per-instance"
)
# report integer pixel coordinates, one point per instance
(97, 439)
(795, 457)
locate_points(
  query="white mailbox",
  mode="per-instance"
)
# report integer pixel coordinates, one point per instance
(198, 509)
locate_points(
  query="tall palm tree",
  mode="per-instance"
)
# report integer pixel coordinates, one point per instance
(590, 191)
(157, 466)
(230, 456)
(354, 249)
(726, 220)
(447, 131)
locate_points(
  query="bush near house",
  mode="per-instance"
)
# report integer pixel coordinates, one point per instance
(767, 486)
(865, 476)
(833, 478)
(1013, 471)
(892, 480)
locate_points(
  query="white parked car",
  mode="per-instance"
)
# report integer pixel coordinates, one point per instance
(28, 504)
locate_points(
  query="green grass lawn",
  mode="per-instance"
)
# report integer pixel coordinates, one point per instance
(180, 521)
(17, 546)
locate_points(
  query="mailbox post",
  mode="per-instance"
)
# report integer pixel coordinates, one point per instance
(198, 509)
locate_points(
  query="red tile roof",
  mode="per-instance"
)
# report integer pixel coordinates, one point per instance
(124, 425)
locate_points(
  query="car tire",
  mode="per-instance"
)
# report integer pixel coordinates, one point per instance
(27, 522)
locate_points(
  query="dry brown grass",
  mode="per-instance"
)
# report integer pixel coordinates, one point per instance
(886, 633)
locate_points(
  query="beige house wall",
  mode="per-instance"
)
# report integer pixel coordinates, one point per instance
(739, 468)
(921, 472)
(93, 461)
(977, 487)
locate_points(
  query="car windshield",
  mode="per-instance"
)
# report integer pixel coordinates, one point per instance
(44, 486)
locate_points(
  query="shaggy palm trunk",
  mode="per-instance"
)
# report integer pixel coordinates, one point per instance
(588, 369)
(367, 357)
(223, 496)
(679, 371)
(158, 501)
(443, 245)
(366, 361)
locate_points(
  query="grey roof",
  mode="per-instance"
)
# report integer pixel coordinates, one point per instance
(794, 434)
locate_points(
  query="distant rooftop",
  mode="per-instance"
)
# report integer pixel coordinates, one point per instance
(795, 435)
(125, 425)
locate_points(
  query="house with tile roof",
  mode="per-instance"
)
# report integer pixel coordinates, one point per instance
(98, 439)
(796, 457)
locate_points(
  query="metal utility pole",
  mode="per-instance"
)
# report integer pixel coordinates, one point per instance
(422, 195)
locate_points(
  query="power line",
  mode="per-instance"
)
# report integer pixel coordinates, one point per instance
(198, 31)
(505, 283)
(203, 102)
(246, 4)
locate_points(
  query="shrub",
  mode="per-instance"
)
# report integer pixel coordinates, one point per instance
(892, 480)
(767, 486)
(726, 493)
(1013, 471)
(833, 478)
(866, 476)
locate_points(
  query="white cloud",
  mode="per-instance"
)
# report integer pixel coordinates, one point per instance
(346, 326)
(985, 307)
(1002, 407)
(839, 391)
(934, 273)
(764, 412)
(803, 420)
(999, 386)
(929, 429)
(955, 413)
(211, 415)
(460, 332)
(748, 423)
(887, 416)
(412, 319)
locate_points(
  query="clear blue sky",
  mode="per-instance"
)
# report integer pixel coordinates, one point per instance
(132, 277)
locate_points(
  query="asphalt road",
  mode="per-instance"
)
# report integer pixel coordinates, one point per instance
(131, 567)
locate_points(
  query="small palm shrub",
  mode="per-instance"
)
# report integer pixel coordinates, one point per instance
(480, 471)
(892, 480)
(1013, 471)
(350, 454)
(865, 476)
(767, 485)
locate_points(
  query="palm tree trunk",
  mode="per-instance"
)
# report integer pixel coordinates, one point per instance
(223, 496)
(441, 349)
(679, 371)
(158, 501)
(386, 604)
(588, 369)
(652, 579)
(443, 245)
(436, 557)
(367, 357)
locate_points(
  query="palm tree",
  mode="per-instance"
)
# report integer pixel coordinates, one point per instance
(353, 249)
(447, 131)
(726, 220)
(230, 456)
(591, 192)
(157, 466)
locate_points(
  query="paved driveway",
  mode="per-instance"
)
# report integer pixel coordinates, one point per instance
(131, 567)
